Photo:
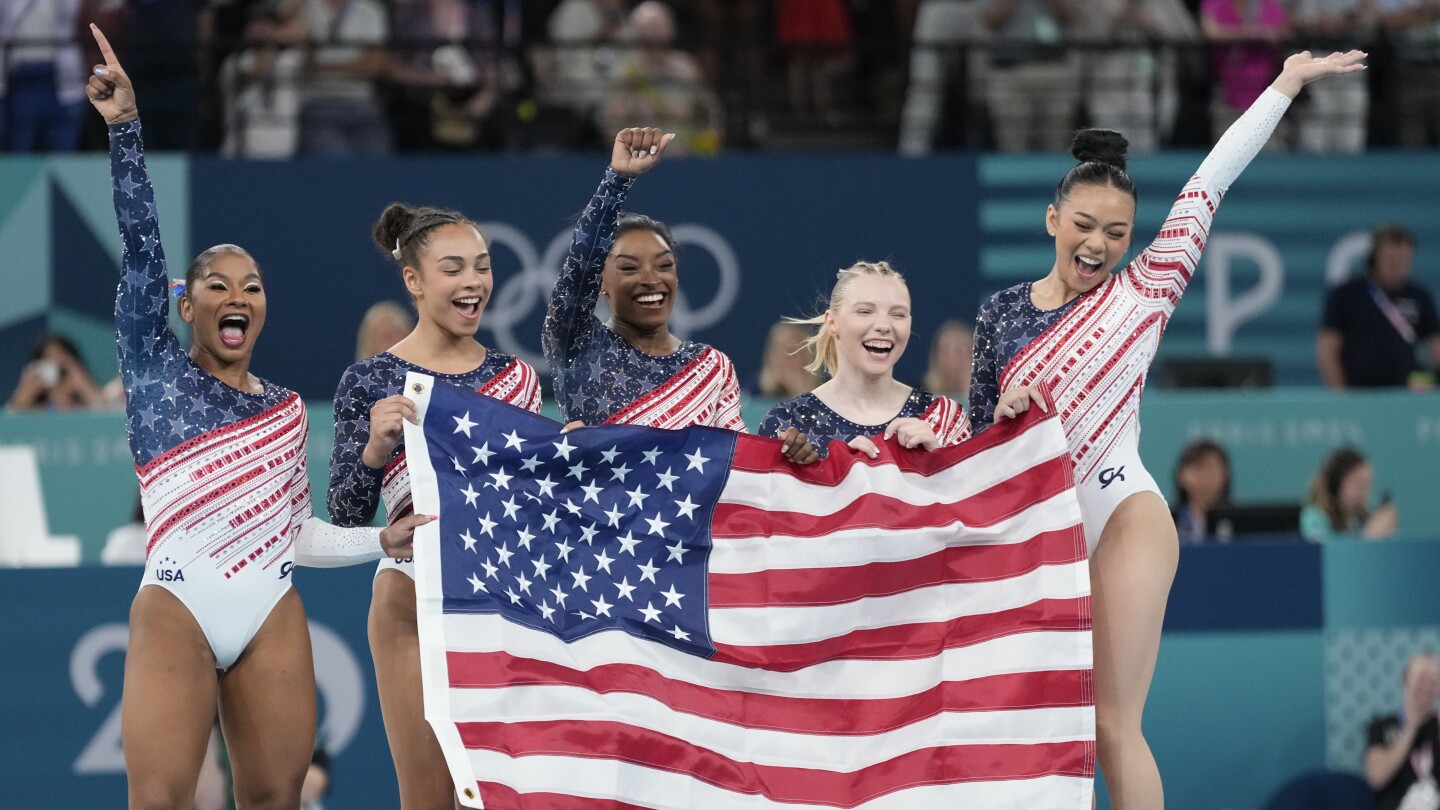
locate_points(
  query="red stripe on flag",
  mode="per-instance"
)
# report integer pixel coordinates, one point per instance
(640, 746)
(830, 586)
(762, 454)
(1023, 690)
(1004, 500)
(921, 640)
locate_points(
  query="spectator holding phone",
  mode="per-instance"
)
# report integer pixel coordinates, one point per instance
(1339, 506)
(55, 379)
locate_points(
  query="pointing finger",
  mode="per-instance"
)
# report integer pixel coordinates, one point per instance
(105, 49)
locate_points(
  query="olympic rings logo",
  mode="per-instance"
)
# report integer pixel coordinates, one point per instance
(515, 300)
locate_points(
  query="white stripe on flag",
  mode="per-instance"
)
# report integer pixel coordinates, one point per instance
(830, 752)
(768, 626)
(746, 555)
(664, 790)
(1024, 652)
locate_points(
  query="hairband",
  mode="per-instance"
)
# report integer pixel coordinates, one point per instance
(178, 288)
(396, 251)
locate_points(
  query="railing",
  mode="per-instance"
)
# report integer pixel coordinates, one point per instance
(936, 92)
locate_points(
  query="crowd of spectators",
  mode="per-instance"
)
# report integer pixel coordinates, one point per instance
(276, 78)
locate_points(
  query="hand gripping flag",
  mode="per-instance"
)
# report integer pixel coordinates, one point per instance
(627, 617)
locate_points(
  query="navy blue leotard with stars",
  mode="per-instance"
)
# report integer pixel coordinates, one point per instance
(355, 488)
(168, 399)
(1007, 323)
(822, 425)
(597, 372)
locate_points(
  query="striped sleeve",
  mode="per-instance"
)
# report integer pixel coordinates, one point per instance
(1161, 272)
(727, 414)
(949, 421)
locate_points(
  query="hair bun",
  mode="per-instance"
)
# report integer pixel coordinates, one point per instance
(394, 221)
(1100, 146)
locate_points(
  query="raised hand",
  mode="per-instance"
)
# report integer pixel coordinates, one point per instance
(1303, 68)
(638, 149)
(109, 88)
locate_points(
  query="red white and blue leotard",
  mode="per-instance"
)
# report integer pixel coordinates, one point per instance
(355, 489)
(1095, 352)
(600, 378)
(222, 471)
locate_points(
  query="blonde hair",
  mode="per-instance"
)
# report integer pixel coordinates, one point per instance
(821, 344)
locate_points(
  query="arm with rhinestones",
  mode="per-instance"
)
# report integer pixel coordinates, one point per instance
(319, 544)
(984, 375)
(354, 493)
(142, 303)
(571, 312)
(1162, 271)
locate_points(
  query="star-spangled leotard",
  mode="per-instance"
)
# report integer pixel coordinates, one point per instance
(1094, 353)
(599, 376)
(822, 425)
(222, 471)
(355, 489)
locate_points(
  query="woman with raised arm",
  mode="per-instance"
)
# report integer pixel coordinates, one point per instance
(858, 340)
(1089, 335)
(221, 459)
(444, 263)
(631, 370)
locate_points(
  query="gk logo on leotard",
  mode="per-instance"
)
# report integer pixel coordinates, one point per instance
(1110, 475)
(285, 568)
(524, 295)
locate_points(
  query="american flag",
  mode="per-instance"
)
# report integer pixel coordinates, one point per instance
(628, 617)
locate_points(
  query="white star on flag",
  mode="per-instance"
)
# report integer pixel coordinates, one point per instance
(463, 423)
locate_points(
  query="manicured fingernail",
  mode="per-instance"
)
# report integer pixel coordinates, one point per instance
(654, 149)
(101, 72)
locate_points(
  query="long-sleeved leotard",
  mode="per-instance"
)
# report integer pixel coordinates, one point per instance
(822, 425)
(355, 489)
(599, 376)
(222, 471)
(1094, 352)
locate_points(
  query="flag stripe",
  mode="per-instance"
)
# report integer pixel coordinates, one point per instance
(641, 746)
(914, 640)
(776, 748)
(767, 626)
(761, 454)
(739, 555)
(828, 586)
(953, 483)
(1006, 499)
(490, 673)
(540, 777)
(839, 679)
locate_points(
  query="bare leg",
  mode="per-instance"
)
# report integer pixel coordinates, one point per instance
(1130, 576)
(395, 645)
(267, 711)
(168, 707)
